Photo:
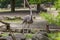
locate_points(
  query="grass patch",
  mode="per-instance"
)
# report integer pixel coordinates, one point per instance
(4, 34)
(5, 10)
(54, 36)
(29, 35)
(13, 21)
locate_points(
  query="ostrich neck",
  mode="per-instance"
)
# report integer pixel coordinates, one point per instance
(30, 11)
(29, 7)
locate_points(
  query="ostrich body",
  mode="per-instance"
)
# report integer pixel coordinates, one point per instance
(28, 19)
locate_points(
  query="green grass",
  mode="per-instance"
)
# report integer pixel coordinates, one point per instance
(4, 35)
(29, 35)
(13, 21)
(5, 10)
(54, 36)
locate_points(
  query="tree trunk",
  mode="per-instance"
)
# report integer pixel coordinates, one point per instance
(24, 4)
(12, 5)
(38, 8)
(47, 28)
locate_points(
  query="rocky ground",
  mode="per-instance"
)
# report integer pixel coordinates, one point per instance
(39, 22)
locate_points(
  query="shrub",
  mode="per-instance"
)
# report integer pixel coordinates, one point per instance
(29, 35)
(51, 19)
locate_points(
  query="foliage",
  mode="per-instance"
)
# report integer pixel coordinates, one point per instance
(29, 35)
(4, 34)
(51, 19)
(54, 36)
(48, 17)
(34, 1)
(4, 3)
(40, 1)
(57, 4)
(18, 3)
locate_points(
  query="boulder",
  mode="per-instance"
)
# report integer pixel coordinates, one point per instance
(40, 36)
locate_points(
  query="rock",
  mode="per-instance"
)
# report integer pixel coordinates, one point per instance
(19, 37)
(6, 38)
(43, 33)
(40, 36)
(28, 39)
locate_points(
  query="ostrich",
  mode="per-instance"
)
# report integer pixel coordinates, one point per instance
(28, 19)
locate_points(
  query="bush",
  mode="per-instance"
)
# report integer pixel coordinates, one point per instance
(54, 36)
(57, 4)
(51, 19)
(29, 35)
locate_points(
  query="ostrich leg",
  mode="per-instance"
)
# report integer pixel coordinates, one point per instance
(28, 27)
(28, 19)
(23, 28)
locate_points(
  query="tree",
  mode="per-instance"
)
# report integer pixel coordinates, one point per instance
(12, 5)
(4, 3)
(51, 19)
(38, 2)
(18, 3)
(24, 4)
(57, 4)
